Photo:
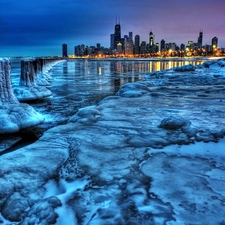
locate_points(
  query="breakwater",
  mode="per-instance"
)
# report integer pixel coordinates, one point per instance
(30, 68)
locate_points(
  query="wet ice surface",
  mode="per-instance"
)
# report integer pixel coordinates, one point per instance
(122, 161)
(79, 83)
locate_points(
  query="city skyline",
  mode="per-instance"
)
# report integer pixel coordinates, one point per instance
(39, 28)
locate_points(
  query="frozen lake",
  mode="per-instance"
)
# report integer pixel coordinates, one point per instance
(82, 82)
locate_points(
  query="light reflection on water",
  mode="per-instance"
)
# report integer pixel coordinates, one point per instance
(78, 83)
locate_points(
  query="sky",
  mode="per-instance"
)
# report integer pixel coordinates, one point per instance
(40, 27)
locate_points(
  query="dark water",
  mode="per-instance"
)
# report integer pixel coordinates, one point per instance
(82, 82)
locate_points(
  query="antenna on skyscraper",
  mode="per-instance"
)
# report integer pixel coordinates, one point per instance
(119, 19)
(116, 19)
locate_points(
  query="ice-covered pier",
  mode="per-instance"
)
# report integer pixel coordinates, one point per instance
(34, 79)
(14, 115)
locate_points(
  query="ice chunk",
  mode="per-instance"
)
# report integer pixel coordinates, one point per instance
(86, 115)
(184, 68)
(174, 123)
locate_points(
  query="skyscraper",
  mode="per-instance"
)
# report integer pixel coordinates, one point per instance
(117, 35)
(131, 36)
(200, 38)
(128, 46)
(151, 39)
(143, 47)
(112, 41)
(137, 44)
(64, 50)
(162, 45)
(215, 42)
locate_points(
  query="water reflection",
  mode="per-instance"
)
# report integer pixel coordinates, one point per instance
(109, 75)
(65, 67)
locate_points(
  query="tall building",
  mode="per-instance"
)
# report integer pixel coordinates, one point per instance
(137, 44)
(200, 38)
(117, 35)
(162, 45)
(76, 50)
(98, 46)
(64, 50)
(112, 41)
(182, 47)
(119, 48)
(157, 47)
(143, 48)
(128, 47)
(151, 39)
(215, 42)
(131, 36)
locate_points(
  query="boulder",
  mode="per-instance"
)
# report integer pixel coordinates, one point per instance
(174, 123)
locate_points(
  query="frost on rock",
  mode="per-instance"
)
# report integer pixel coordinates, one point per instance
(23, 175)
(43, 212)
(174, 123)
(207, 64)
(14, 116)
(132, 90)
(32, 81)
(86, 115)
(184, 68)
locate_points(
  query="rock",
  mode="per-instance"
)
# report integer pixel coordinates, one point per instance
(207, 64)
(86, 115)
(174, 123)
(43, 212)
(221, 63)
(132, 90)
(14, 207)
(184, 68)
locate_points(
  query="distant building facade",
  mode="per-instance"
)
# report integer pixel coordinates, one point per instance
(200, 39)
(128, 46)
(64, 50)
(137, 44)
(215, 42)
(112, 41)
(162, 45)
(143, 48)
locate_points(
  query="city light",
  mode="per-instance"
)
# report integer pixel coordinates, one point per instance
(127, 47)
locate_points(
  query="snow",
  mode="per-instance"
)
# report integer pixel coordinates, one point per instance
(14, 115)
(32, 84)
(117, 163)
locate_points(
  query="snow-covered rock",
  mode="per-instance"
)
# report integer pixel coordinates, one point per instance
(14, 116)
(132, 90)
(184, 68)
(174, 123)
(86, 115)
